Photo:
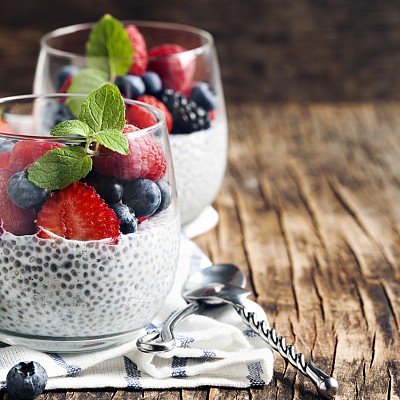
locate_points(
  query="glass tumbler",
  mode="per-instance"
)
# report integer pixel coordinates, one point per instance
(73, 277)
(180, 68)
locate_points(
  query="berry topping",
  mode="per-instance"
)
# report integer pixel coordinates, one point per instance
(143, 196)
(187, 116)
(26, 380)
(152, 83)
(140, 60)
(25, 153)
(77, 212)
(24, 193)
(146, 159)
(107, 187)
(6, 145)
(176, 72)
(203, 95)
(4, 159)
(64, 77)
(139, 117)
(15, 219)
(153, 101)
(130, 86)
(166, 195)
(128, 220)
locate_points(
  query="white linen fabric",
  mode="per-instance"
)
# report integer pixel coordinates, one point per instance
(215, 349)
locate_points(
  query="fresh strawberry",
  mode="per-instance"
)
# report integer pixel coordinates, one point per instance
(25, 153)
(146, 159)
(140, 59)
(78, 213)
(153, 101)
(15, 220)
(175, 71)
(139, 116)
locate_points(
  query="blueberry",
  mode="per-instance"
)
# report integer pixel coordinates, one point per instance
(26, 380)
(166, 194)
(143, 196)
(107, 187)
(152, 82)
(6, 145)
(63, 73)
(128, 220)
(24, 193)
(203, 95)
(130, 86)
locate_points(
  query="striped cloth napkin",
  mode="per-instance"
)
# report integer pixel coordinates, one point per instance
(214, 349)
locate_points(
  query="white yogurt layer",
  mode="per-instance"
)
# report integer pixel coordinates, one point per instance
(64, 288)
(199, 162)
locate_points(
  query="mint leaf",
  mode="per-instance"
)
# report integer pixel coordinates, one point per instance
(103, 109)
(70, 128)
(87, 80)
(109, 47)
(113, 139)
(60, 167)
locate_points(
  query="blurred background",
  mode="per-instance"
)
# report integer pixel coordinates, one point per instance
(269, 50)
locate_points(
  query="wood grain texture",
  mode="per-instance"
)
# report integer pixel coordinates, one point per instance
(310, 210)
(288, 50)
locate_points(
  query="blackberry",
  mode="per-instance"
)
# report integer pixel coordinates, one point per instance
(187, 116)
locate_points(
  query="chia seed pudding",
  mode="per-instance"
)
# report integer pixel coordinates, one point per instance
(200, 161)
(73, 289)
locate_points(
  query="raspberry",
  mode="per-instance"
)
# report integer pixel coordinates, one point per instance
(4, 159)
(140, 59)
(176, 72)
(78, 213)
(148, 99)
(15, 220)
(139, 117)
(146, 159)
(25, 153)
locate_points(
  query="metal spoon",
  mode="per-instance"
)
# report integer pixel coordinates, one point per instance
(164, 340)
(217, 293)
(224, 284)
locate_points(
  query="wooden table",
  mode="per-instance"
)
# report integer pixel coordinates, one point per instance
(310, 209)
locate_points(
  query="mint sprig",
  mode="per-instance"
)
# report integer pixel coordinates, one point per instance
(109, 54)
(109, 47)
(100, 122)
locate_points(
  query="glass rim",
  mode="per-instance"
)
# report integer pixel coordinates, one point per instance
(66, 30)
(159, 115)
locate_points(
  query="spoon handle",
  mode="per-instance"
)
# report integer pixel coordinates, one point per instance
(325, 384)
(164, 340)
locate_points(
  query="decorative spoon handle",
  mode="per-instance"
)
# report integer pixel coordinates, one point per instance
(325, 384)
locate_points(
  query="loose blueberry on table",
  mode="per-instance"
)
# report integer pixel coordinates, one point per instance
(26, 380)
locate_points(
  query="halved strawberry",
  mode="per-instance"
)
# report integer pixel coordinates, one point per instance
(24, 153)
(175, 70)
(146, 159)
(153, 101)
(78, 213)
(15, 220)
(140, 60)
